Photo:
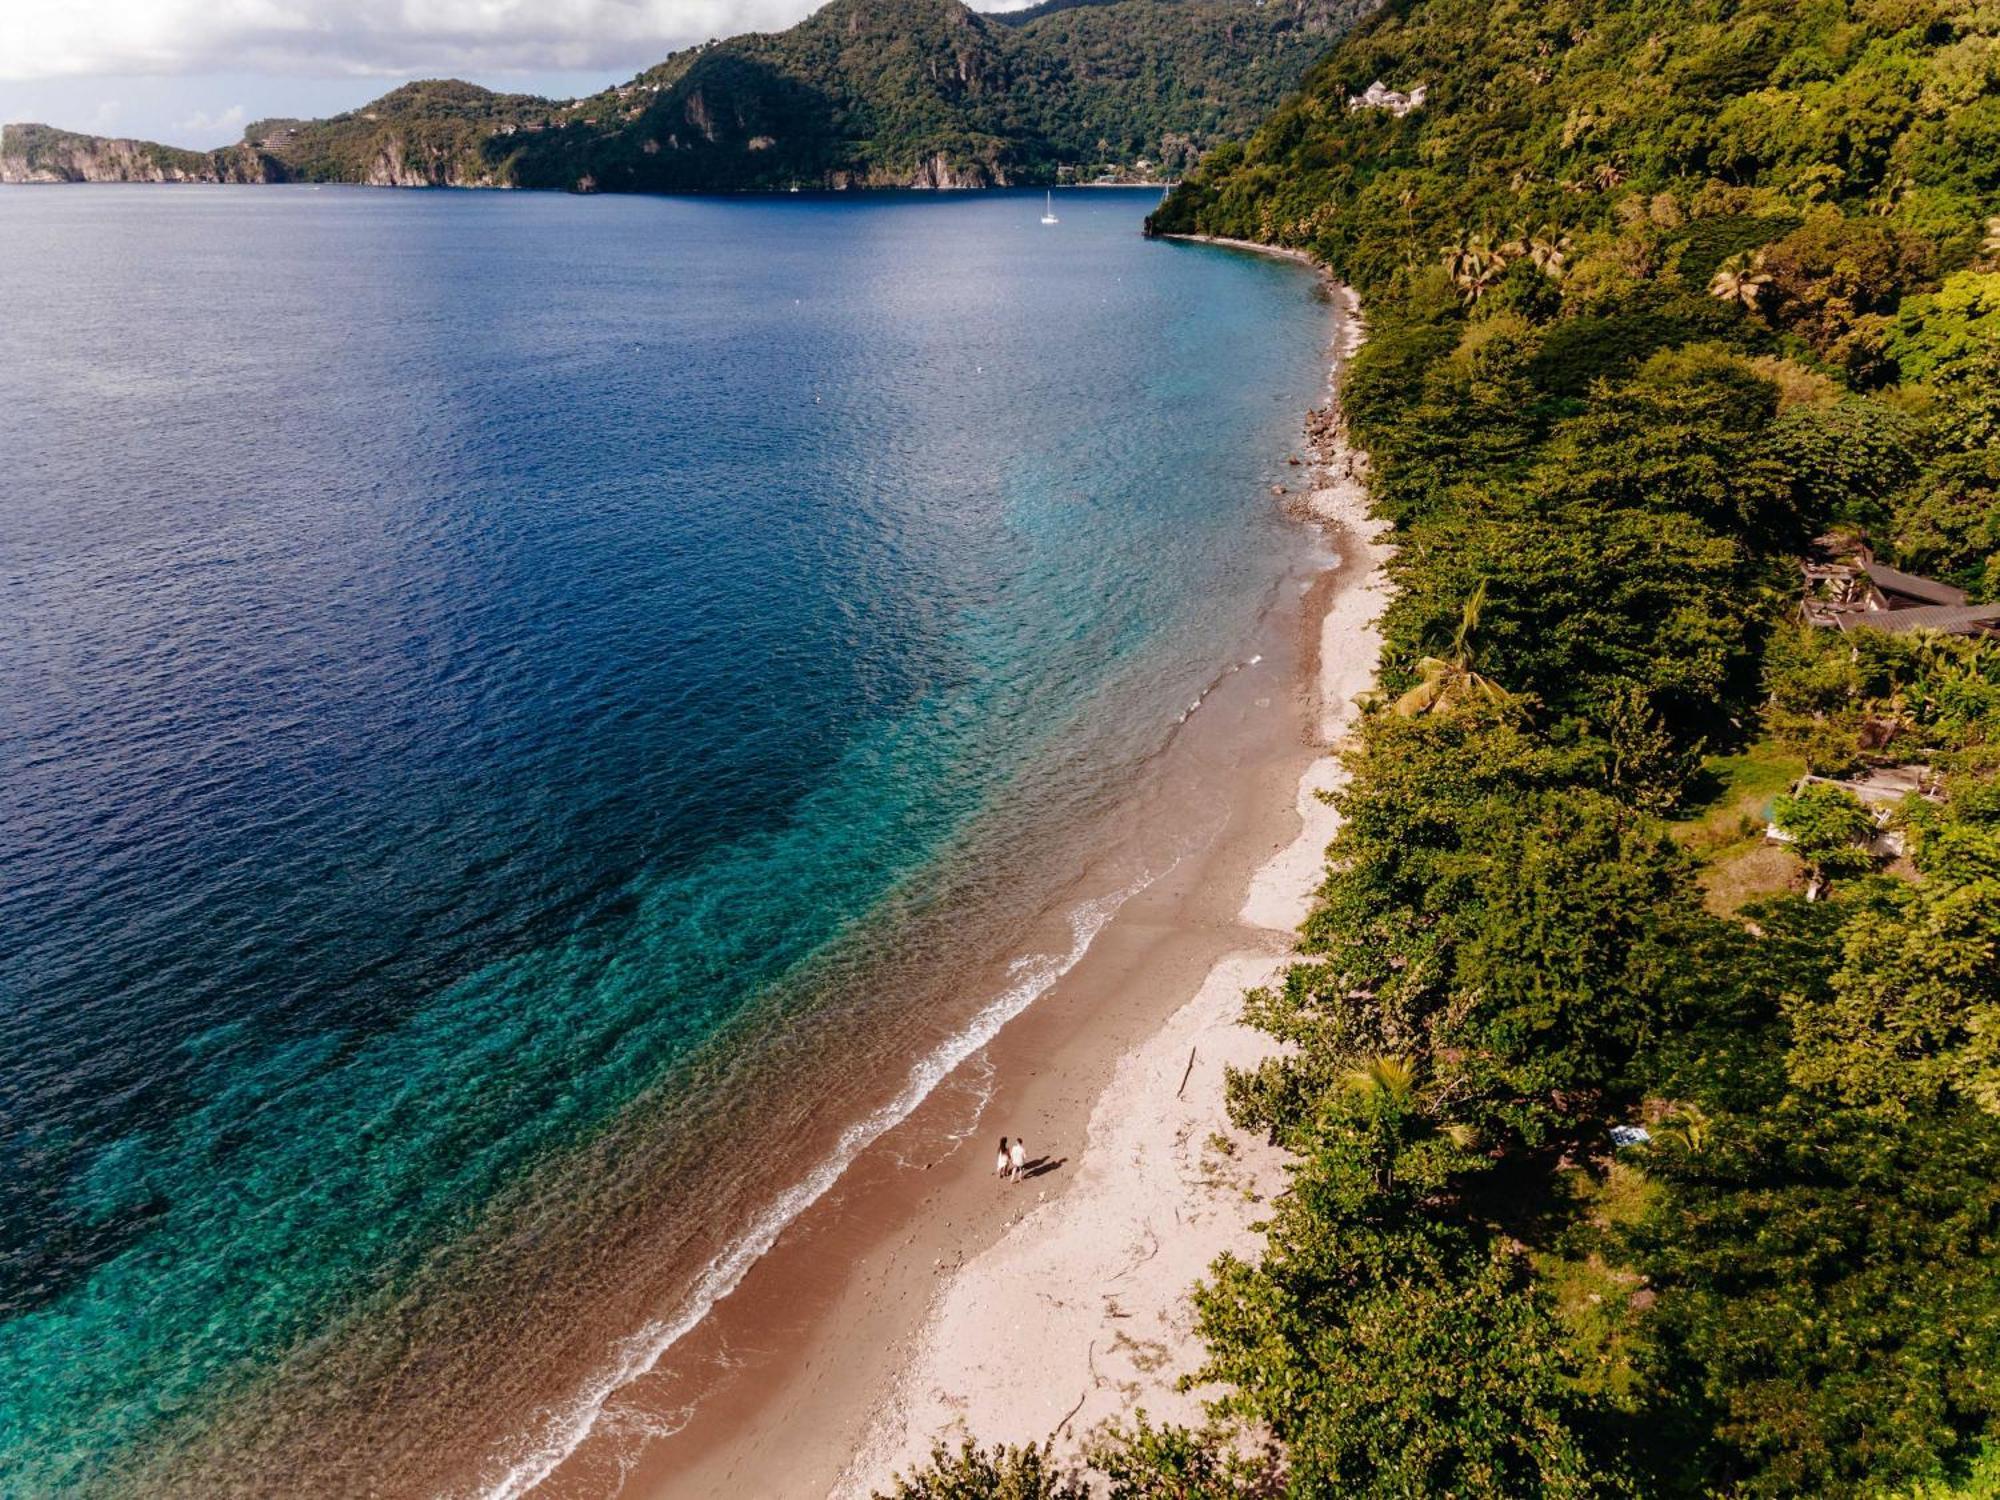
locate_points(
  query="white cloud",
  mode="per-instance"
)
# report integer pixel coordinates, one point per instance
(387, 38)
(227, 122)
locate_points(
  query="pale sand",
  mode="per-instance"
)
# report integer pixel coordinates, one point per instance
(1079, 1315)
(921, 1291)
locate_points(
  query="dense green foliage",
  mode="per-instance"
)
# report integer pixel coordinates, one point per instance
(1657, 292)
(999, 1473)
(882, 92)
(864, 93)
(1829, 829)
(440, 131)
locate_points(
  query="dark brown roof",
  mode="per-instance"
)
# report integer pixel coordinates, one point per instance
(1954, 619)
(1927, 589)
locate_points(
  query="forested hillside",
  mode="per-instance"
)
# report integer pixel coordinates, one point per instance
(864, 93)
(1665, 300)
(885, 92)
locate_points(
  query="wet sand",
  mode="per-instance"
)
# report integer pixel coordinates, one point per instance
(1080, 1315)
(920, 1292)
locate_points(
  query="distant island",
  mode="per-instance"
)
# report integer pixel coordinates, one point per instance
(862, 94)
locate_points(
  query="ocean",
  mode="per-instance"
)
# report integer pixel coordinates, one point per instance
(518, 715)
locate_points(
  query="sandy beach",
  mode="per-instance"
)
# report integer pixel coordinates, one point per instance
(921, 1297)
(1080, 1315)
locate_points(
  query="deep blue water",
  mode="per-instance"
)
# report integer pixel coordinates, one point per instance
(459, 652)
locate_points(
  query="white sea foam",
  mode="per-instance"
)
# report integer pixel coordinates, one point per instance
(1235, 666)
(639, 1352)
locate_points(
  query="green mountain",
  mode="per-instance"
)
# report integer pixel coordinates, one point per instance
(864, 93)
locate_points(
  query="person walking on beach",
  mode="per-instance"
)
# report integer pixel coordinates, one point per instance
(1002, 1162)
(1017, 1154)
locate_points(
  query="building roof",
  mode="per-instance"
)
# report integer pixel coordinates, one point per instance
(1954, 619)
(1883, 784)
(1927, 589)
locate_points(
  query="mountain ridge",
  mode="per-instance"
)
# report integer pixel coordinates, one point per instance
(862, 93)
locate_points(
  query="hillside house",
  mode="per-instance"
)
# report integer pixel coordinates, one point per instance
(1379, 95)
(1847, 589)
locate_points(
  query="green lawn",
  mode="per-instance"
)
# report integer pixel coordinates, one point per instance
(1725, 829)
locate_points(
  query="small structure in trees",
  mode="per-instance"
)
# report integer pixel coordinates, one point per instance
(1847, 589)
(1378, 95)
(1843, 826)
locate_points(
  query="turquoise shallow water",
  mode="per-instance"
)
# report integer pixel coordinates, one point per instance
(486, 680)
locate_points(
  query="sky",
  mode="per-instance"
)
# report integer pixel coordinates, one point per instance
(192, 72)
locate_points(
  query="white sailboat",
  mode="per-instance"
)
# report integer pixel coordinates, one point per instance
(1049, 213)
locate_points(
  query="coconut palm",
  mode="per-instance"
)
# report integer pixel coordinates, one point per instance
(1685, 1130)
(1444, 681)
(1383, 1080)
(1548, 252)
(1473, 265)
(1741, 280)
(1384, 1090)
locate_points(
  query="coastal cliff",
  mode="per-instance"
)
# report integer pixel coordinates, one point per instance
(861, 94)
(38, 153)
(397, 164)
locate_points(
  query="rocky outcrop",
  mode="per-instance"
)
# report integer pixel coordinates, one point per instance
(396, 165)
(37, 153)
(939, 171)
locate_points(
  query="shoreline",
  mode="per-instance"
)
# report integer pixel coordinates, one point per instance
(1351, 307)
(833, 1354)
(1080, 1315)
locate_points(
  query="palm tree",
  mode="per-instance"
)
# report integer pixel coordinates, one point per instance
(1447, 680)
(1740, 279)
(1465, 262)
(1383, 1080)
(1474, 263)
(1607, 176)
(1548, 252)
(1385, 1088)
(1686, 1129)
